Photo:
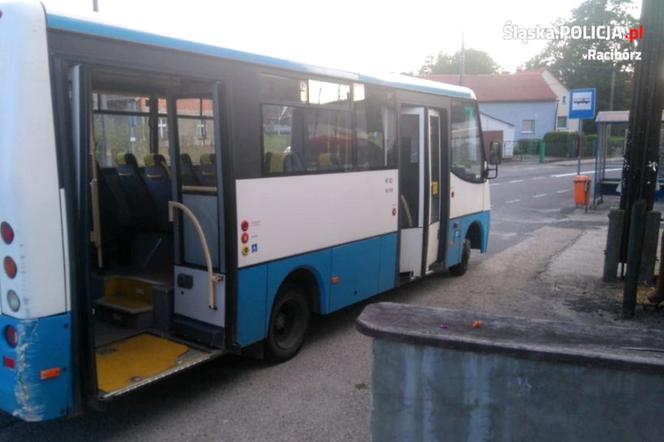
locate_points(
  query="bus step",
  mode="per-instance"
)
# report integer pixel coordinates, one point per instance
(108, 310)
(197, 331)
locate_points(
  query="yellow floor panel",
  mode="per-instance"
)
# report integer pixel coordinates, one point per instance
(123, 363)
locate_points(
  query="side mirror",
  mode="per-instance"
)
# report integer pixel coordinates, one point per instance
(495, 153)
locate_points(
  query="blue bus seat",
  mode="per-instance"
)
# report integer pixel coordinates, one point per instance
(293, 162)
(207, 173)
(158, 182)
(136, 193)
(187, 171)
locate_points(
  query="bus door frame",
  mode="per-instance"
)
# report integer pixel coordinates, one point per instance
(411, 255)
(187, 277)
(434, 191)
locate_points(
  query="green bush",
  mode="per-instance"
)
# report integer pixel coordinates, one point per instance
(560, 144)
(563, 145)
(528, 146)
(589, 145)
(616, 146)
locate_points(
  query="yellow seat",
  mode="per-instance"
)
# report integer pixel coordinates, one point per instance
(325, 160)
(275, 163)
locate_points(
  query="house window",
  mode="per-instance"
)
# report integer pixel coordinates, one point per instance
(528, 126)
(563, 99)
(562, 123)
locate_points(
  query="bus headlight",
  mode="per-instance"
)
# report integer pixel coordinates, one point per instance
(13, 301)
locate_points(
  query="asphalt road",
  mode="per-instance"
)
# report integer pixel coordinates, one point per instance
(526, 197)
(323, 393)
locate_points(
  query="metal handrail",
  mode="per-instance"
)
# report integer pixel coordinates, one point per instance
(213, 278)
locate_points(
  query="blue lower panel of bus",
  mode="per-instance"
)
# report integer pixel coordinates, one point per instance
(364, 268)
(458, 231)
(35, 377)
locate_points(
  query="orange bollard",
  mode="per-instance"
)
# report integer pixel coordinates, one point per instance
(581, 190)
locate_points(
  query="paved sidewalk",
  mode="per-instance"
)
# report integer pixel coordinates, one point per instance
(575, 275)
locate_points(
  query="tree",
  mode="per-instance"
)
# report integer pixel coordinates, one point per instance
(476, 62)
(568, 59)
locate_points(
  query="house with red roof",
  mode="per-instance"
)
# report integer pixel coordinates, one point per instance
(534, 102)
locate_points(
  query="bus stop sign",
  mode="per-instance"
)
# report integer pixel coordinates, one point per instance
(582, 103)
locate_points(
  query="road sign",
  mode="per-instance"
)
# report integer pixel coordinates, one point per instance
(582, 103)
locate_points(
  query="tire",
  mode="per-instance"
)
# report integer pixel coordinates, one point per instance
(461, 268)
(288, 326)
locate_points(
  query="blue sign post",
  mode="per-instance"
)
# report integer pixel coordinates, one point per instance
(581, 107)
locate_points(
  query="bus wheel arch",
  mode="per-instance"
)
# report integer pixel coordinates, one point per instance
(290, 314)
(307, 280)
(472, 240)
(474, 235)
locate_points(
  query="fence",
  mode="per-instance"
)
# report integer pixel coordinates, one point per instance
(561, 149)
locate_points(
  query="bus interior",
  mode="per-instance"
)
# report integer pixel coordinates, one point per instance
(137, 234)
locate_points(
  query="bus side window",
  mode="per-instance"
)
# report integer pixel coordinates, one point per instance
(196, 135)
(121, 125)
(375, 130)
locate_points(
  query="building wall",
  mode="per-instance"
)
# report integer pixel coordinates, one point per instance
(543, 112)
(491, 124)
(563, 101)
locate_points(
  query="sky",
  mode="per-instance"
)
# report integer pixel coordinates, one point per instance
(355, 35)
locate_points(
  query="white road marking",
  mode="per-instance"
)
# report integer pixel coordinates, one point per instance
(540, 195)
(504, 235)
(512, 201)
(539, 178)
(562, 191)
(587, 172)
(516, 181)
(495, 184)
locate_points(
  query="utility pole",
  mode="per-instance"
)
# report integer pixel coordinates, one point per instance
(462, 60)
(613, 86)
(95, 5)
(639, 177)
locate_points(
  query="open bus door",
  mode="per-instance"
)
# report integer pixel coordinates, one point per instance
(197, 214)
(411, 198)
(138, 325)
(436, 188)
(424, 187)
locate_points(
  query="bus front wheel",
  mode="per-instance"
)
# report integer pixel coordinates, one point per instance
(461, 268)
(288, 324)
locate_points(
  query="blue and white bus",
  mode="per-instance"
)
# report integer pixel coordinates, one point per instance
(165, 202)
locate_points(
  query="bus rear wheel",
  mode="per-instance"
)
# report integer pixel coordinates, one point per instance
(288, 324)
(461, 268)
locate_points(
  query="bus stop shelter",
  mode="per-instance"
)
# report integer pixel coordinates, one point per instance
(604, 185)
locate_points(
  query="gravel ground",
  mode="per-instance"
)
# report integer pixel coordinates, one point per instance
(324, 393)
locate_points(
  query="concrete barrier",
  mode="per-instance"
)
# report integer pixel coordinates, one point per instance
(437, 377)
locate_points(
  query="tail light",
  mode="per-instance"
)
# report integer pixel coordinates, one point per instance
(11, 336)
(10, 267)
(7, 233)
(13, 300)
